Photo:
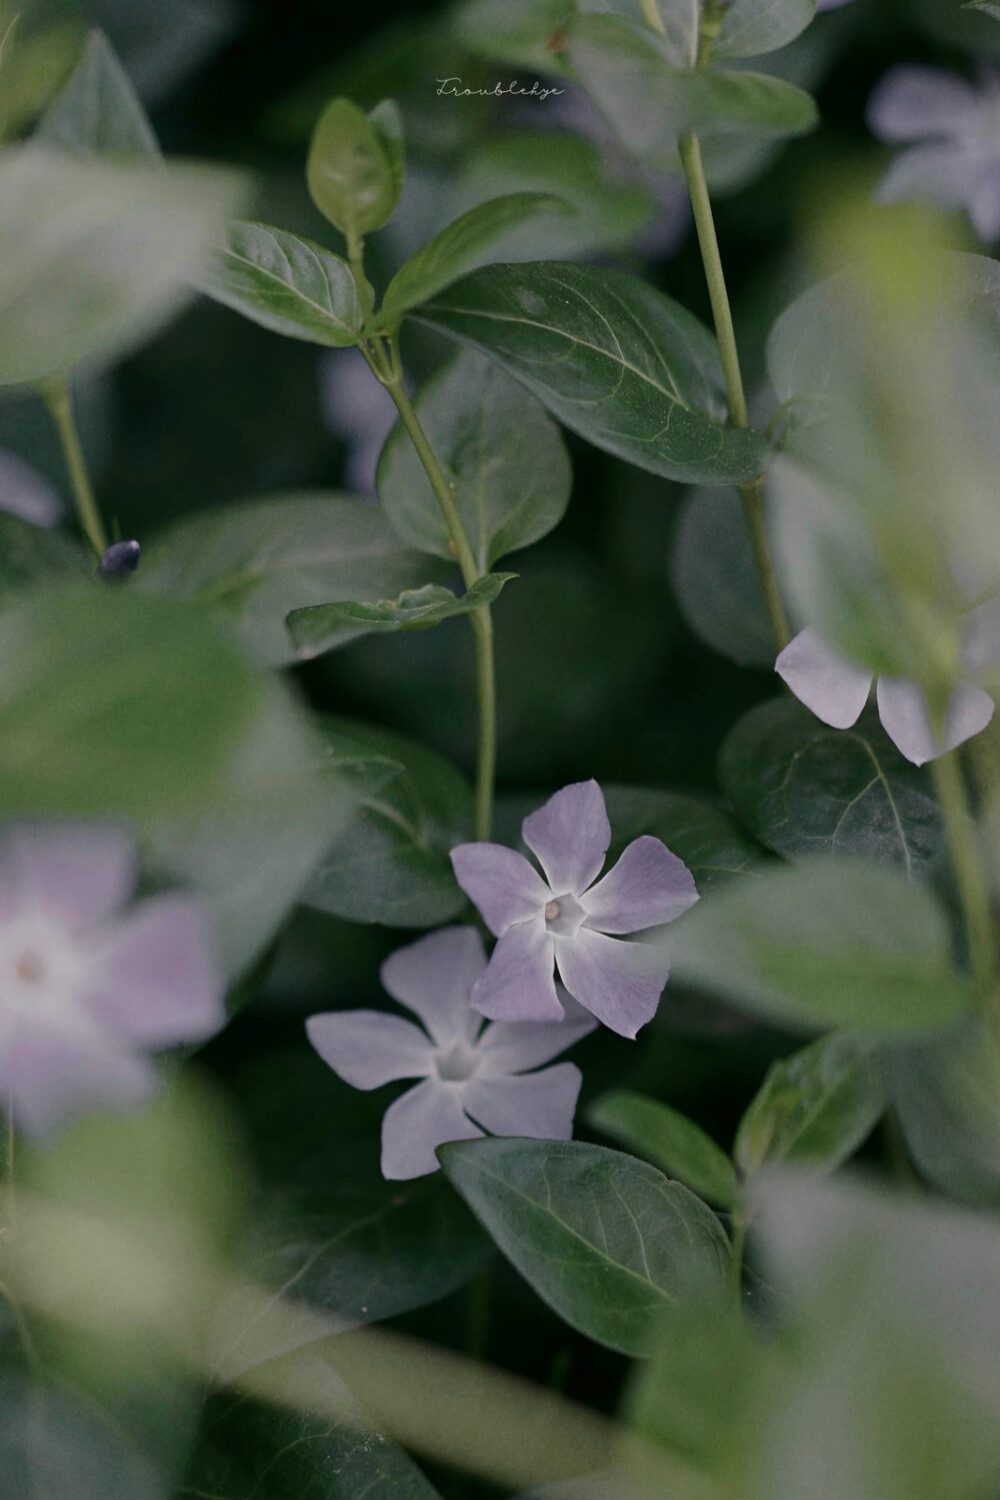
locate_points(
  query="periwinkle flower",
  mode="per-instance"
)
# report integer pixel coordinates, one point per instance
(954, 130)
(836, 691)
(471, 1075)
(571, 920)
(87, 989)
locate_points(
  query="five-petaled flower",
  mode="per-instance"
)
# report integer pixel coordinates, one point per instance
(472, 1075)
(568, 921)
(86, 990)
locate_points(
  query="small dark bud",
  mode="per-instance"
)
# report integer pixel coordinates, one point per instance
(120, 561)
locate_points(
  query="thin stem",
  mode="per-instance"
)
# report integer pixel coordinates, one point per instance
(737, 1245)
(752, 490)
(970, 879)
(56, 395)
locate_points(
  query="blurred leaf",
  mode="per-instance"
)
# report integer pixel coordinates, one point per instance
(803, 788)
(460, 248)
(816, 1107)
(322, 627)
(287, 284)
(94, 256)
(831, 942)
(716, 579)
(34, 63)
(391, 864)
(611, 358)
(750, 27)
(35, 555)
(946, 1094)
(256, 562)
(711, 843)
(528, 32)
(604, 1239)
(669, 1140)
(353, 169)
(98, 113)
(504, 458)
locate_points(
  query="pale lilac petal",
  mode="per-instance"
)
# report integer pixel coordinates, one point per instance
(434, 977)
(541, 1105)
(906, 720)
(983, 203)
(155, 976)
(500, 882)
(54, 1069)
(76, 875)
(618, 982)
(570, 836)
(648, 886)
(911, 104)
(947, 176)
(418, 1122)
(367, 1048)
(981, 646)
(515, 1046)
(834, 689)
(519, 983)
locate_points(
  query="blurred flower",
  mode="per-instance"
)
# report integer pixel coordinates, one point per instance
(836, 691)
(956, 124)
(86, 991)
(830, 5)
(567, 920)
(471, 1077)
(359, 411)
(24, 493)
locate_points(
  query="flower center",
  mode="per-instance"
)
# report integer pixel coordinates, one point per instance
(30, 967)
(563, 915)
(457, 1063)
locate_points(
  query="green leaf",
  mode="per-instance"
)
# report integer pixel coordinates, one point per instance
(32, 556)
(816, 1107)
(716, 579)
(990, 8)
(604, 1239)
(711, 843)
(612, 359)
(258, 561)
(98, 112)
(750, 27)
(631, 74)
(501, 453)
(354, 169)
(460, 248)
(95, 255)
(525, 32)
(669, 1140)
(287, 284)
(391, 864)
(830, 942)
(803, 788)
(945, 1093)
(323, 627)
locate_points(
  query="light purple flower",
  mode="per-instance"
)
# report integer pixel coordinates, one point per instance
(86, 990)
(25, 493)
(471, 1077)
(955, 128)
(836, 691)
(568, 921)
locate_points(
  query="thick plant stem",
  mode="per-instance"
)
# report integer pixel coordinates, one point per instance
(970, 880)
(56, 395)
(752, 490)
(480, 619)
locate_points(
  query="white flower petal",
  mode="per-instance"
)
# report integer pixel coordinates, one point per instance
(983, 203)
(519, 982)
(570, 836)
(501, 883)
(540, 1105)
(55, 1068)
(906, 720)
(75, 875)
(434, 978)
(648, 886)
(947, 176)
(618, 982)
(912, 104)
(368, 1048)
(833, 689)
(418, 1122)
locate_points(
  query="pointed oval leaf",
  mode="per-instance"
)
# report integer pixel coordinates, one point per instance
(322, 627)
(710, 842)
(98, 112)
(502, 454)
(750, 27)
(716, 578)
(612, 359)
(669, 1140)
(353, 169)
(604, 1239)
(287, 284)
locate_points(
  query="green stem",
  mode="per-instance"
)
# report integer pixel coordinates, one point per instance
(56, 394)
(737, 1245)
(752, 490)
(970, 879)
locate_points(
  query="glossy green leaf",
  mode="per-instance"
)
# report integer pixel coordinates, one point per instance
(816, 1107)
(256, 562)
(460, 248)
(946, 1094)
(716, 579)
(501, 453)
(287, 284)
(711, 843)
(604, 1239)
(803, 789)
(95, 255)
(353, 169)
(34, 555)
(391, 863)
(750, 27)
(669, 1140)
(832, 942)
(612, 359)
(98, 112)
(323, 627)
